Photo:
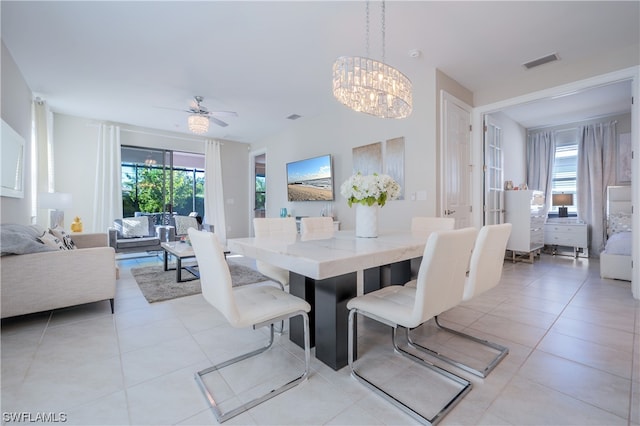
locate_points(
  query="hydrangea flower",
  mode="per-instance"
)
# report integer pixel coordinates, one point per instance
(370, 189)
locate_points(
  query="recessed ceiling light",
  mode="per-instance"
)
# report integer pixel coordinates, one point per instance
(293, 117)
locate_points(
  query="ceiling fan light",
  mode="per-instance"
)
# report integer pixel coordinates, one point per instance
(198, 124)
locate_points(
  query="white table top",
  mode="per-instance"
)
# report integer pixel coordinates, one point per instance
(179, 248)
(325, 258)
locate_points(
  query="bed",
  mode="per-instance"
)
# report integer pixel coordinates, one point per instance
(615, 260)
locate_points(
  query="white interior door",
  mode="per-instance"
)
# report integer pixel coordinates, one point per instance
(493, 172)
(455, 146)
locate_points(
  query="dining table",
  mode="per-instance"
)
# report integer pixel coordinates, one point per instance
(324, 272)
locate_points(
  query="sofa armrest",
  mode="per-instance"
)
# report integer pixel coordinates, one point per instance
(97, 239)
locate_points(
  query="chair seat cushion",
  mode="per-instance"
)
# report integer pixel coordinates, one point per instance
(394, 303)
(137, 242)
(258, 303)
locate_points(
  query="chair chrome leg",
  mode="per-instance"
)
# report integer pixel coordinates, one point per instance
(222, 417)
(502, 351)
(465, 384)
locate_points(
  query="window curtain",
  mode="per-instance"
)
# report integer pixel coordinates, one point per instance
(107, 202)
(42, 176)
(541, 150)
(213, 194)
(596, 171)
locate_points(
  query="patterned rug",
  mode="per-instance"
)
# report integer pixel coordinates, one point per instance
(158, 285)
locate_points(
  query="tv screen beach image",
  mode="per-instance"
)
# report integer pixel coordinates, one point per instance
(310, 180)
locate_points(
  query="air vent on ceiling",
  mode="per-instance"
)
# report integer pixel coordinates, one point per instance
(294, 117)
(541, 61)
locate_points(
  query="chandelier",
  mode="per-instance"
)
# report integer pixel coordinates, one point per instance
(370, 86)
(198, 123)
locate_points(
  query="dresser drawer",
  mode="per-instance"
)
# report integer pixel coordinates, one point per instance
(566, 235)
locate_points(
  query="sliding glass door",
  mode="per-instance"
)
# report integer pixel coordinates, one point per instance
(162, 183)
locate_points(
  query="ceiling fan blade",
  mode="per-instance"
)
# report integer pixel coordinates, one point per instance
(224, 113)
(218, 122)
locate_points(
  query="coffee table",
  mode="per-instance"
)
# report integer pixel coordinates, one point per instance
(180, 250)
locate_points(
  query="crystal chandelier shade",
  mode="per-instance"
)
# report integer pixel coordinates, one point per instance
(198, 123)
(370, 86)
(373, 87)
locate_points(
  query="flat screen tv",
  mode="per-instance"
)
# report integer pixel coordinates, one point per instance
(310, 179)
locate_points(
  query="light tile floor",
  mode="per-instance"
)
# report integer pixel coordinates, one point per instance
(574, 358)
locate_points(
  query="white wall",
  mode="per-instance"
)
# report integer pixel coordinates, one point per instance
(15, 110)
(337, 133)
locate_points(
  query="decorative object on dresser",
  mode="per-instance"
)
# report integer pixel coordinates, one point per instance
(567, 232)
(562, 200)
(525, 211)
(615, 260)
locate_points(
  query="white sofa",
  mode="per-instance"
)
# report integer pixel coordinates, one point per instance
(49, 280)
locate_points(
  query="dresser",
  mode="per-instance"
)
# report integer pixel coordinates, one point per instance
(567, 233)
(525, 211)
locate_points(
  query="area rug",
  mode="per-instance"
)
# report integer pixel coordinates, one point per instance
(157, 284)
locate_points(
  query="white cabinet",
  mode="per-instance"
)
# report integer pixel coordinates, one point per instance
(525, 211)
(567, 233)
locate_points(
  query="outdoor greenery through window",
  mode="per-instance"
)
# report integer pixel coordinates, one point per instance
(565, 166)
(161, 181)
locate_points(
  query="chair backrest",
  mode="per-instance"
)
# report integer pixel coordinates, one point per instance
(441, 278)
(215, 278)
(183, 223)
(428, 225)
(274, 227)
(485, 268)
(320, 227)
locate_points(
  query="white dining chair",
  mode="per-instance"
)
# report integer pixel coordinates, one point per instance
(316, 228)
(485, 271)
(440, 286)
(423, 226)
(244, 306)
(275, 227)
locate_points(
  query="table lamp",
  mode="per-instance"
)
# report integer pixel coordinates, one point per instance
(562, 200)
(56, 202)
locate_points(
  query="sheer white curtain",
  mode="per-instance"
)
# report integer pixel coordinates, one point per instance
(42, 175)
(596, 170)
(107, 202)
(213, 194)
(541, 150)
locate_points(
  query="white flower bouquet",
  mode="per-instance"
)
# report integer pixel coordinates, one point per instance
(370, 189)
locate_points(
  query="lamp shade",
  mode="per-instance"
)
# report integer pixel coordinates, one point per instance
(54, 200)
(562, 199)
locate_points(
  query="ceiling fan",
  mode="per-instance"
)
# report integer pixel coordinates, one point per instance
(199, 109)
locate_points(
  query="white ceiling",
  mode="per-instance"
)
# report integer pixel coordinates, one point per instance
(139, 62)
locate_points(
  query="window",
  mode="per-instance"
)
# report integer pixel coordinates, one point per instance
(161, 181)
(565, 166)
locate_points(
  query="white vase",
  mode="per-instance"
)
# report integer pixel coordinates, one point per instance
(366, 221)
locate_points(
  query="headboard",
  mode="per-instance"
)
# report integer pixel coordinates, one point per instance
(618, 199)
(618, 209)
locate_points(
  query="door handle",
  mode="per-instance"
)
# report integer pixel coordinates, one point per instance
(449, 212)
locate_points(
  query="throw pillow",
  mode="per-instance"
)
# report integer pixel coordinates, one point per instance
(619, 222)
(183, 223)
(50, 240)
(60, 234)
(135, 227)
